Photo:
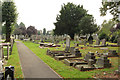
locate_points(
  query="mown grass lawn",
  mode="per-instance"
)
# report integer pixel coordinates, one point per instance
(67, 71)
(14, 61)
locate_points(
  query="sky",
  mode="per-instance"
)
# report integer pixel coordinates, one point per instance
(43, 13)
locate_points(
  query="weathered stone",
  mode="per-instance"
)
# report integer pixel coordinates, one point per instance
(72, 50)
(103, 62)
(90, 56)
(77, 52)
(97, 41)
(1, 76)
(104, 42)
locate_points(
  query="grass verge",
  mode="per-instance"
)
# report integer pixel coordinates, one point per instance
(14, 61)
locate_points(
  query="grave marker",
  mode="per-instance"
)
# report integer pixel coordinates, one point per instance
(67, 44)
(104, 42)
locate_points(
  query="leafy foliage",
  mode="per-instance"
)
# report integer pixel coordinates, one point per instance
(9, 16)
(71, 20)
(103, 36)
(31, 30)
(112, 7)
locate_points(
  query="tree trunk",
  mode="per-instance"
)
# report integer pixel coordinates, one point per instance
(8, 32)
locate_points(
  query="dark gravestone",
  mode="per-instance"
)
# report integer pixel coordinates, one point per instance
(1, 76)
(103, 62)
(77, 52)
(72, 50)
(9, 71)
(90, 56)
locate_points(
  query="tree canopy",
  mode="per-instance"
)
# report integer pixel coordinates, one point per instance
(9, 16)
(72, 19)
(112, 7)
(31, 31)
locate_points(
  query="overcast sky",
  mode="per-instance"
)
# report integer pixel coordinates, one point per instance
(42, 13)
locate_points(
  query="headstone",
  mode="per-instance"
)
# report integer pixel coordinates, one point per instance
(118, 42)
(90, 63)
(104, 42)
(9, 71)
(72, 50)
(90, 56)
(77, 52)
(103, 62)
(67, 44)
(97, 41)
(1, 52)
(1, 76)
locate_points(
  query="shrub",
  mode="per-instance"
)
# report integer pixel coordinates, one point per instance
(103, 36)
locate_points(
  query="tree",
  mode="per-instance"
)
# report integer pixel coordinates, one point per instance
(44, 31)
(22, 28)
(112, 7)
(88, 28)
(70, 19)
(107, 27)
(31, 31)
(9, 16)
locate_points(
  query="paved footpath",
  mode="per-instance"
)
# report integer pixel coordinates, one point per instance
(32, 66)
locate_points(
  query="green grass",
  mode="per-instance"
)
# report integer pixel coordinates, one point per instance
(14, 61)
(67, 71)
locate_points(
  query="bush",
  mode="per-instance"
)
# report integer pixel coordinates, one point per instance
(103, 36)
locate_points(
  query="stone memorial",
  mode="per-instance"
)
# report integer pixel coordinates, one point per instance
(97, 42)
(9, 71)
(67, 44)
(103, 61)
(72, 50)
(1, 76)
(90, 56)
(104, 42)
(77, 52)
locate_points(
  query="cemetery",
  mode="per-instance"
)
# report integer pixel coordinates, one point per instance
(78, 47)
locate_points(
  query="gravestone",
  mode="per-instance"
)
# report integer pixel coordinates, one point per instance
(90, 56)
(91, 62)
(1, 56)
(67, 44)
(104, 42)
(1, 76)
(72, 50)
(118, 42)
(91, 42)
(97, 41)
(9, 71)
(77, 52)
(104, 62)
